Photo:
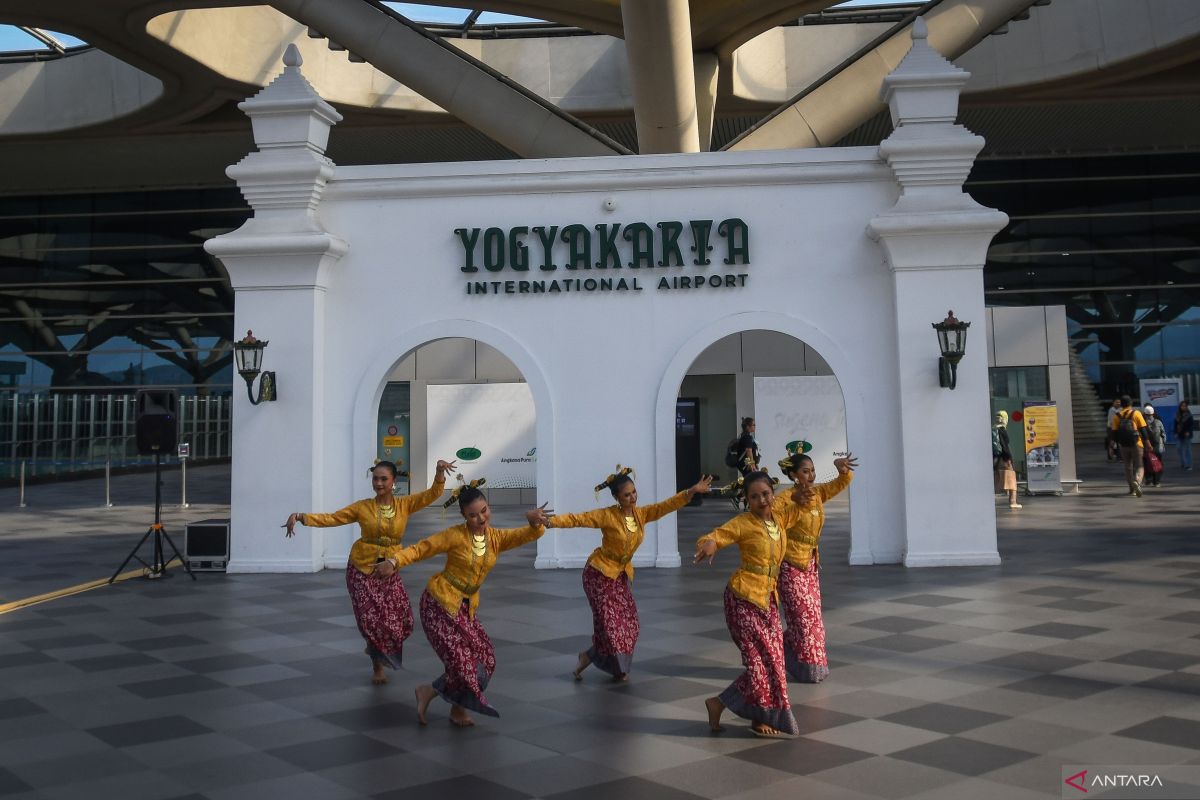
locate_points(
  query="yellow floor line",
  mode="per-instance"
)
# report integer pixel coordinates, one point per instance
(80, 588)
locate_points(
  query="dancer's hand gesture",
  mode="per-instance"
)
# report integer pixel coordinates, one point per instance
(703, 485)
(538, 517)
(705, 550)
(445, 468)
(847, 464)
(292, 519)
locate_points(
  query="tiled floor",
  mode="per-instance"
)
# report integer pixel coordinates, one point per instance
(1082, 647)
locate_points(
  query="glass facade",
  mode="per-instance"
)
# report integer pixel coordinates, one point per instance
(102, 295)
(1114, 239)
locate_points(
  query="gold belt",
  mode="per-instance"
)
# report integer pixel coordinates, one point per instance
(466, 588)
(381, 541)
(622, 560)
(771, 571)
(805, 541)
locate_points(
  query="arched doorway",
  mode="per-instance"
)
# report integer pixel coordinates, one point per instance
(441, 356)
(793, 379)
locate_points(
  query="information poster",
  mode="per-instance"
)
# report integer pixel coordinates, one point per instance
(1165, 394)
(488, 428)
(1041, 446)
(801, 408)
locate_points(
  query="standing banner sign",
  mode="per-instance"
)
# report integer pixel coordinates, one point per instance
(1165, 394)
(803, 408)
(488, 428)
(1041, 446)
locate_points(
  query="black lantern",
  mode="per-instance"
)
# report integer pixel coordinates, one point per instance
(952, 338)
(248, 352)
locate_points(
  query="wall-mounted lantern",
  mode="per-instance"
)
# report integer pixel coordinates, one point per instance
(952, 338)
(248, 352)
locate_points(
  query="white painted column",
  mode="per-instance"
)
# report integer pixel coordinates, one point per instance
(936, 239)
(279, 264)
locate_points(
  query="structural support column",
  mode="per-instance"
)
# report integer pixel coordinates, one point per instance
(658, 40)
(279, 264)
(936, 240)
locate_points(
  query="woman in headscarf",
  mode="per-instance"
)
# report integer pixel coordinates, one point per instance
(451, 598)
(799, 576)
(752, 610)
(377, 594)
(609, 570)
(1002, 460)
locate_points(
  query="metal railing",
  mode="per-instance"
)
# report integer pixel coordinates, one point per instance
(62, 433)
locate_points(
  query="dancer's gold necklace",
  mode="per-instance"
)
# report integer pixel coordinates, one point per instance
(479, 544)
(772, 528)
(631, 523)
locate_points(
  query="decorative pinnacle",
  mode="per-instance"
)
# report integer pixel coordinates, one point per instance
(291, 56)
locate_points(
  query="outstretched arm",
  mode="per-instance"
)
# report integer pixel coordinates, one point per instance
(415, 502)
(656, 511)
(341, 517)
(426, 548)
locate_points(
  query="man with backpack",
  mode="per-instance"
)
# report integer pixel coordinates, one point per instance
(1129, 429)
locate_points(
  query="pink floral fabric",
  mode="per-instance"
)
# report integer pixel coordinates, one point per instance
(760, 694)
(804, 640)
(383, 614)
(466, 652)
(615, 625)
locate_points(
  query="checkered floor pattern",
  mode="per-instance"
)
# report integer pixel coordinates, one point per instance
(1083, 647)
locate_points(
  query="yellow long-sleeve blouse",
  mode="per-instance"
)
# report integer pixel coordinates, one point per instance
(755, 578)
(805, 535)
(618, 543)
(464, 571)
(379, 536)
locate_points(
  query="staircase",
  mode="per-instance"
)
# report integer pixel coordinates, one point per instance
(1089, 413)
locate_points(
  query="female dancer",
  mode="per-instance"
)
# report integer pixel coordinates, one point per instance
(451, 598)
(609, 571)
(799, 579)
(381, 606)
(752, 612)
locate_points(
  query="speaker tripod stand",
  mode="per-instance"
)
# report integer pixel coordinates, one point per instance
(156, 568)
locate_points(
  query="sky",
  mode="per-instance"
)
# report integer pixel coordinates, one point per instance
(13, 38)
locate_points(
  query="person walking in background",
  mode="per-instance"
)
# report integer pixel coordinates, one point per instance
(1110, 437)
(1185, 427)
(748, 454)
(1129, 427)
(1156, 436)
(1002, 461)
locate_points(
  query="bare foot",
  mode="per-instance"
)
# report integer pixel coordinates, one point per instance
(762, 729)
(715, 709)
(460, 718)
(378, 677)
(582, 665)
(425, 695)
(622, 678)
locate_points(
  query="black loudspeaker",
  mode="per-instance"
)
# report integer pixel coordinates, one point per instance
(206, 544)
(157, 421)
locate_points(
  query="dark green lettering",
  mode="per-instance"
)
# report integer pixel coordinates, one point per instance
(670, 243)
(642, 252)
(546, 237)
(579, 244)
(737, 239)
(468, 236)
(701, 230)
(607, 237)
(518, 253)
(493, 249)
